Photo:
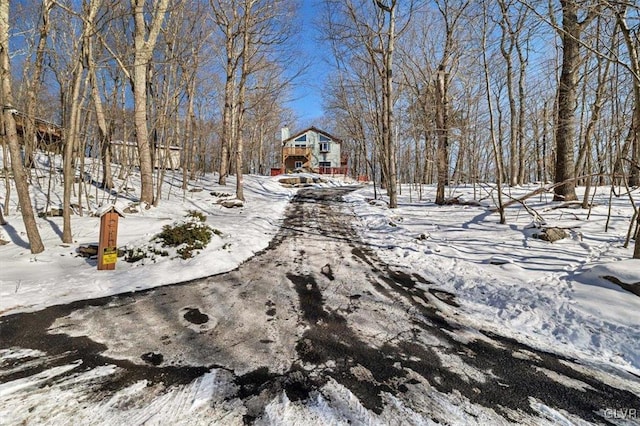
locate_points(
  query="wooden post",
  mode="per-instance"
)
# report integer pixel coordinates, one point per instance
(108, 246)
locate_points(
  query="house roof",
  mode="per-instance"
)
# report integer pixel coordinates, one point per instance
(101, 211)
(42, 127)
(315, 129)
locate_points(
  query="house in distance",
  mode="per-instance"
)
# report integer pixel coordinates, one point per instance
(313, 150)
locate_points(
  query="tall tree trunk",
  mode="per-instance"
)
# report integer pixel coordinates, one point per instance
(506, 48)
(494, 141)
(544, 143)
(244, 74)
(537, 150)
(33, 84)
(5, 163)
(568, 101)
(585, 155)
(228, 108)
(522, 75)
(392, 188)
(443, 134)
(144, 45)
(389, 153)
(71, 141)
(226, 132)
(634, 57)
(240, 146)
(19, 175)
(188, 150)
(103, 130)
(72, 136)
(261, 136)
(451, 14)
(142, 131)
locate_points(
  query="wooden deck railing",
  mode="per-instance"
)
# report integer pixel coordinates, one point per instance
(296, 152)
(332, 170)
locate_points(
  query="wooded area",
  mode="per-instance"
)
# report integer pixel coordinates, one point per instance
(441, 92)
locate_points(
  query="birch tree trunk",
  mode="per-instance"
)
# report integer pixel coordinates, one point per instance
(71, 141)
(244, 73)
(72, 134)
(227, 116)
(144, 44)
(188, 151)
(228, 21)
(103, 132)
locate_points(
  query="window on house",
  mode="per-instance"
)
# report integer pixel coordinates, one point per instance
(325, 167)
(297, 164)
(323, 138)
(324, 146)
(300, 142)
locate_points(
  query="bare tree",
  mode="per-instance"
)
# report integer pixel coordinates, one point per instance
(19, 174)
(264, 115)
(572, 27)
(494, 141)
(584, 163)
(228, 20)
(631, 41)
(190, 64)
(72, 127)
(104, 135)
(452, 11)
(246, 53)
(386, 46)
(621, 12)
(34, 83)
(511, 29)
(252, 30)
(145, 38)
(365, 37)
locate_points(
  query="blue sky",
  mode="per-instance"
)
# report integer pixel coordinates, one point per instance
(307, 103)
(307, 92)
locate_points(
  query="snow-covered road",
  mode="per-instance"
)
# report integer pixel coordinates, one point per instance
(314, 330)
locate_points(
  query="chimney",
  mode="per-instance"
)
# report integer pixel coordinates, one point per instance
(284, 132)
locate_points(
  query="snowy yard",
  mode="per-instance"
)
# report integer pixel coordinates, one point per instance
(59, 275)
(551, 296)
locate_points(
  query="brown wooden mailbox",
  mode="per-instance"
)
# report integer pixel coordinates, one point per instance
(108, 245)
